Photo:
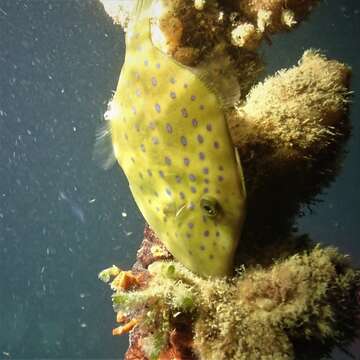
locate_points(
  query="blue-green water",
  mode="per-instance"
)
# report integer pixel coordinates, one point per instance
(61, 217)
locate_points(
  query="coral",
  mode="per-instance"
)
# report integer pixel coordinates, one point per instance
(299, 110)
(276, 15)
(263, 311)
(294, 124)
(288, 298)
(268, 310)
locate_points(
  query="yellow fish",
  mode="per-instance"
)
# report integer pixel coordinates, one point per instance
(170, 137)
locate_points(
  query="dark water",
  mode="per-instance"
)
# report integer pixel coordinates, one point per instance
(61, 216)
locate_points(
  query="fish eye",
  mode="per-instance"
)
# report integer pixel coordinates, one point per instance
(209, 206)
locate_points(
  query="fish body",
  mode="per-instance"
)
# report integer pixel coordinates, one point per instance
(170, 137)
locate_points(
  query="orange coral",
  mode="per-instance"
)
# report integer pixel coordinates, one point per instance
(125, 328)
(125, 280)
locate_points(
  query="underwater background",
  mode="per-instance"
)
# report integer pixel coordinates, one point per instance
(62, 218)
